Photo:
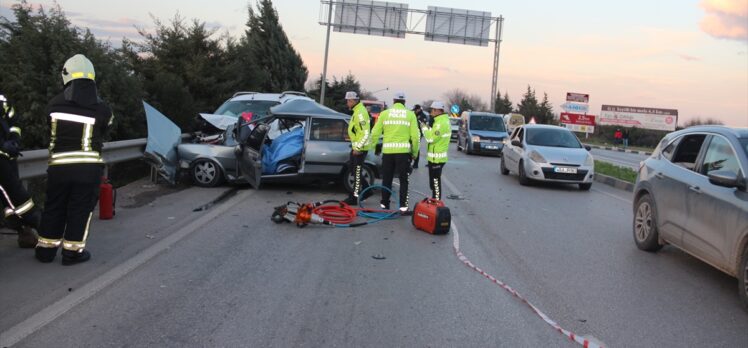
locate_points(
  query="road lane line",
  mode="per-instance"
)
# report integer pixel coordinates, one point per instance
(581, 340)
(78, 296)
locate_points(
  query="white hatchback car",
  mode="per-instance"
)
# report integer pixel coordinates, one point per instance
(547, 153)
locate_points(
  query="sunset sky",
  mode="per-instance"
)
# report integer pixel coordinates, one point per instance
(689, 55)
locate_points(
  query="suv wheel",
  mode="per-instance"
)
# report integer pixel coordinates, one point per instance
(206, 173)
(646, 235)
(743, 278)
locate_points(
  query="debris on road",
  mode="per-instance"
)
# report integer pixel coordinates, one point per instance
(378, 257)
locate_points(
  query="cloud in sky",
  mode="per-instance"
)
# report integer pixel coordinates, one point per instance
(726, 19)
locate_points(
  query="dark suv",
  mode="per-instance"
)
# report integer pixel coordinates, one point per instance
(693, 193)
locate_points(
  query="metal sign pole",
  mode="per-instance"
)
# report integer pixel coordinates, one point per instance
(323, 83)
(495, 80)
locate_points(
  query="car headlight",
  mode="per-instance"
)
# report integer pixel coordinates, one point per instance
(536, 157)
(590, 161)
(476, 139)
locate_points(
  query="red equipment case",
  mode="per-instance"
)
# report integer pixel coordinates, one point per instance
(432, 216)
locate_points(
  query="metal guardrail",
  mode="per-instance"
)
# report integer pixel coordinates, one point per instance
(33, 163)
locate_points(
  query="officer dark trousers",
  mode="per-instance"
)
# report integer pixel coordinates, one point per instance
(435, 179)
(359, 183)
(18, 207)
(398, 163)
(72, 193)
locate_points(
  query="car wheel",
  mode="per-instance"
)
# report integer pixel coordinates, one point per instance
(206, 173)
(502, 167)
(523, 179)
(743, 278)
(646, 235)
(585, 187)
(367, 174)
(467, 148)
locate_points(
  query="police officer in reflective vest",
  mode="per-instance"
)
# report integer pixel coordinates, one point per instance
(359, 131)
(437, 139)
(399, 128)
(78, 121)
(18, 207)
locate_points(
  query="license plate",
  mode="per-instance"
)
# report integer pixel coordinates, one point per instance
(565, 170)
(492, 147)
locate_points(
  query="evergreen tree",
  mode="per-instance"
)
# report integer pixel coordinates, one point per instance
(268, 46)
(528, 106)
(335, 92)
(503, 104)
(33, 49)
(545, 111)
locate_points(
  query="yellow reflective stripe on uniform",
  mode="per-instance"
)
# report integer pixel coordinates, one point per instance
(71, 160)
(48, 243)
(11, 113)
(73, 246)
(8, 202)
(111, 120)
(25, 207)
(2, 98)
(396, 123)
(87, 134)
(53, 135)
(76, 153)
(437, 155)
(72, 118)
(16, 130)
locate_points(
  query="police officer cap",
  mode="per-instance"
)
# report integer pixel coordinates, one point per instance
(399, 96)
(438, 105)
(351, 95)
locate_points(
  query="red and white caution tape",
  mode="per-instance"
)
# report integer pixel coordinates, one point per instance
(570, 335)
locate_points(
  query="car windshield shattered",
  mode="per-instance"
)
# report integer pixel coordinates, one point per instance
(552, 138)
(235, 108)
(487, 123)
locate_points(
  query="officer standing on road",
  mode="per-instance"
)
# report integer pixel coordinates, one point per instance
(78, 121)
(421, 117)
(437, 137)
(399, 127)
(18, 207)
(359, 131)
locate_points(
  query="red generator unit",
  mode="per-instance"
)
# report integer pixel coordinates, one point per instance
(432, 216)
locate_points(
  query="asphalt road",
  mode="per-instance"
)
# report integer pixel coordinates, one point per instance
(241, 280)
(622, 159)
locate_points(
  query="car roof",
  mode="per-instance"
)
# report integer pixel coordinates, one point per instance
(482, 113)
(278, 97)
(542, 126)
(724, 130)
(305, 107)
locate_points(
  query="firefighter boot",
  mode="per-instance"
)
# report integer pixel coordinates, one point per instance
(45, 255)
(27, 237)
(70, 257)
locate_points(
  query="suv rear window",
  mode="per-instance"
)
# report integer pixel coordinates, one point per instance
(688, 151)
(258, 108)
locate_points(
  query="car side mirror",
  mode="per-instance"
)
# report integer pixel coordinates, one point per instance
(516, 143)
(725, 178)
(588, 148)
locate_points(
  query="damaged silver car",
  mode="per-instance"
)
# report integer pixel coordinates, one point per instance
(298, 141)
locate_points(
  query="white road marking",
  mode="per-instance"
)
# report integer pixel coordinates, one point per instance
(613, 196)
(65, 304)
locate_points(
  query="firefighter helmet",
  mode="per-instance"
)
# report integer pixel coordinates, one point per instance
(77, 67)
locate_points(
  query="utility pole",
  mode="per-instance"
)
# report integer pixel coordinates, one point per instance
(323, 83)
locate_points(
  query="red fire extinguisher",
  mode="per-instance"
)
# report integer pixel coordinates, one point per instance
(107, 198)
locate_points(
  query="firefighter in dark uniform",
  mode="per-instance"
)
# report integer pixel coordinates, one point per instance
(78, 121)
(18, 207)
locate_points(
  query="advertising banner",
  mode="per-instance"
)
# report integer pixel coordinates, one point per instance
(578, 122)
(640, 117)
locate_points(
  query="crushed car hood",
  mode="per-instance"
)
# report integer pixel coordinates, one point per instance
(221, 122)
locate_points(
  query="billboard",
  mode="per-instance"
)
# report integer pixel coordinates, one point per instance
(457, 26)
(578, 122)
(378, 18)
(640, 117)
(577, 97)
